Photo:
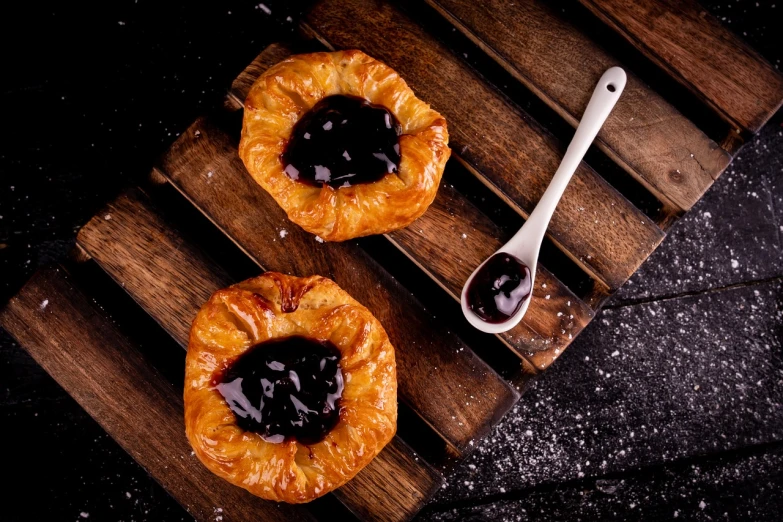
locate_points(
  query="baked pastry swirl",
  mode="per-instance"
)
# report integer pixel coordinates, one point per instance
(290, 386)
(342, 144)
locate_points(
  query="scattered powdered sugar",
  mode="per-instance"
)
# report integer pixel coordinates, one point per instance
(608, 487)
(264, 8)
(107, 217)
(44, 304)
(732, 234)
(680, 486)
(319, 239)
(589, 415)
(283, 233)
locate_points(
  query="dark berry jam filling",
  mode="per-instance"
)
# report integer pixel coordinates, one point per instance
(285, 388)
(343, 141)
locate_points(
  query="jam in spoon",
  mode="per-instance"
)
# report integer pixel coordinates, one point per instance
(498, 292)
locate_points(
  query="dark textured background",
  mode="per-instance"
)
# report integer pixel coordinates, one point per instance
(667, 406)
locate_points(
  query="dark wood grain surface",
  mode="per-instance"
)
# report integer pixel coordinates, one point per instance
(644, 134)
(406, 485)
(593, 224)
(72, 339)
(704, 56)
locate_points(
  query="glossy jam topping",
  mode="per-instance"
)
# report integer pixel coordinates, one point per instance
(499, 288)
(284, 388)
(343, 141)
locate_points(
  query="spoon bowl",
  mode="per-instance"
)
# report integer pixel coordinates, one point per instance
(490, 327)
(526, 243)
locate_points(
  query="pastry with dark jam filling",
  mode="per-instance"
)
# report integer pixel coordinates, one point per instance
(290, 386)
(342, 144)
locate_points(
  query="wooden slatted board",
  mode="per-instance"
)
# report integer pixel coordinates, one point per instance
(449, 395)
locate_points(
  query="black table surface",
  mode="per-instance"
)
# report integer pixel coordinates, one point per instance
(669, 405)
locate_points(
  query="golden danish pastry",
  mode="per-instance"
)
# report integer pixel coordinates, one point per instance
(290, 386)
(342, 144)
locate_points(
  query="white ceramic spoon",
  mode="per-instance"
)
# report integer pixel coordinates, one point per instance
(527, 242)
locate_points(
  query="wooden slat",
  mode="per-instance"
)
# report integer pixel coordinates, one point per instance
(693, 47)
(435, 243)
(72, 339)
(171, 279)
(593, 224)
(645, 135)
(374, 500)
(165, 274)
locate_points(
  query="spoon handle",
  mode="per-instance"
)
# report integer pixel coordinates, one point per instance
(605, 95)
